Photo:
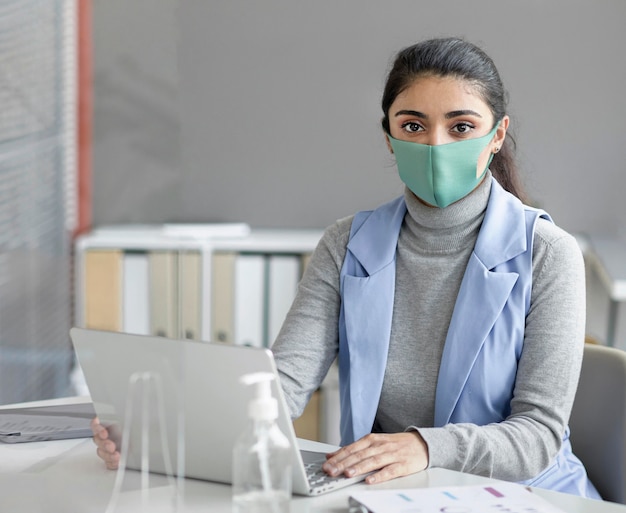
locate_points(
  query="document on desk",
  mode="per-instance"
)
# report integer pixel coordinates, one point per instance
(509, 497)
(35, 424)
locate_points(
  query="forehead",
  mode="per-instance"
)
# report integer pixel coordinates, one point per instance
(435, 92)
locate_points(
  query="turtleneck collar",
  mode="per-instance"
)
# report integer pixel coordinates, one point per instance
(451, 228)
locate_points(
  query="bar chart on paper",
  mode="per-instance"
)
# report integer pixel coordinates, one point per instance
(496, 498)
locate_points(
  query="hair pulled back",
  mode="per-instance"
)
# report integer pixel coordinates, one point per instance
(453, 57)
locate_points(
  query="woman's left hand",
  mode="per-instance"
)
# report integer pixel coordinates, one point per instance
(387, 455)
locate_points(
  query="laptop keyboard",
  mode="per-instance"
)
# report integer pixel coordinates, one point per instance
(319, 481)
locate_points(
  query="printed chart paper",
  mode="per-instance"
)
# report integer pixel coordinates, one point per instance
(491, 498)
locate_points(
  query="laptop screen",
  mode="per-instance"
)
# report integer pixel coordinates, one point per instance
(188, 391)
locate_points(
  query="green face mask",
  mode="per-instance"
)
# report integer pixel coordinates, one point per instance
(443, 174)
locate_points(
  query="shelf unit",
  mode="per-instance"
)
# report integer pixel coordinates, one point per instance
(101, 281)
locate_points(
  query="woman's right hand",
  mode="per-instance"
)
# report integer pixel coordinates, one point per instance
(106, 447)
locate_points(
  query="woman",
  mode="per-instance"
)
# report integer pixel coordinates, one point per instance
(457, 312)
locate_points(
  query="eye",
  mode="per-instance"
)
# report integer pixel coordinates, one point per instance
(463, 128)
(411, 127)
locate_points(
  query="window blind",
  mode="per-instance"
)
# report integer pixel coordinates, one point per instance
(37, 196)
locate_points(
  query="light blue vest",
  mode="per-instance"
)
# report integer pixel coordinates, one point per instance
(483, 344)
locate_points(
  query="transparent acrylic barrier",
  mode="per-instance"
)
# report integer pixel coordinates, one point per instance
(138, 388)
(145, 410)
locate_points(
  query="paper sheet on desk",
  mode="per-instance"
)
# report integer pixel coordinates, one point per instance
(497, 497)
(46, 423)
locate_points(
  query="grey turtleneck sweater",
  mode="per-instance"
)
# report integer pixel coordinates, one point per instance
(433, 249)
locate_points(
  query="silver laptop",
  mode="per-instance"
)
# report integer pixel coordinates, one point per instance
(184, 387)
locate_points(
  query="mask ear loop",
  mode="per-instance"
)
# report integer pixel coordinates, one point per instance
(492, 152)
(497, 148)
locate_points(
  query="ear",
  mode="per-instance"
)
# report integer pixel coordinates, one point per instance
(498, 139)
(388, 143)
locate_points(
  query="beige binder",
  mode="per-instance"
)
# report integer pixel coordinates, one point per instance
(222, 297)
(103, 289)
(164, 293)
(190, 273)
(305, 258)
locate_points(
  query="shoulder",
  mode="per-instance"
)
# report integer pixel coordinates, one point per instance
(553, 245)
(334, 241)
(370, 228)
(340, 229)
(338, 233)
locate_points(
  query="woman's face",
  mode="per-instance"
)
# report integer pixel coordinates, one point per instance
(440, 110)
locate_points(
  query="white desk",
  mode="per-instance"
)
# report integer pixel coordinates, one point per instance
(66, 476)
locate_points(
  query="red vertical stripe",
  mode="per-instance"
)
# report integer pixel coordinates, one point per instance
(85, 115)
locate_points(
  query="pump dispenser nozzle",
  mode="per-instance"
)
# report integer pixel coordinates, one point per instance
(263, 406)
(262, 455)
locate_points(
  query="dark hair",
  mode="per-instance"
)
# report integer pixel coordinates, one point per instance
(459, 59)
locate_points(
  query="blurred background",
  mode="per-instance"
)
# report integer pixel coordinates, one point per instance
(154, 111)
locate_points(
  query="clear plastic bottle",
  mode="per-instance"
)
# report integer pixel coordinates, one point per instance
(261, 456)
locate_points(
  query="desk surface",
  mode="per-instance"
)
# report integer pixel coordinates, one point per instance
(66, 476)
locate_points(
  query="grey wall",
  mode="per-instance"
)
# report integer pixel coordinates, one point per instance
(136, 149)
(268, 111)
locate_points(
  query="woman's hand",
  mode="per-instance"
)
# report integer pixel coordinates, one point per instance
(391, 455)
(106, 447)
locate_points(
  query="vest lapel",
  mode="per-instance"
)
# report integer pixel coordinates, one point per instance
(375, 242)
(368, 292)
(484, 292)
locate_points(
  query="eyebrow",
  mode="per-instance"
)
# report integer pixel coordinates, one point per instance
(415, 113)
(449, 115)
(465, 112)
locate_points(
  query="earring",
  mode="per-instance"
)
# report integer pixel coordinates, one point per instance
(496, 150)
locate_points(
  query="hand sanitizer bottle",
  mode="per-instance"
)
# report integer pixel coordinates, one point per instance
(261, 456)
